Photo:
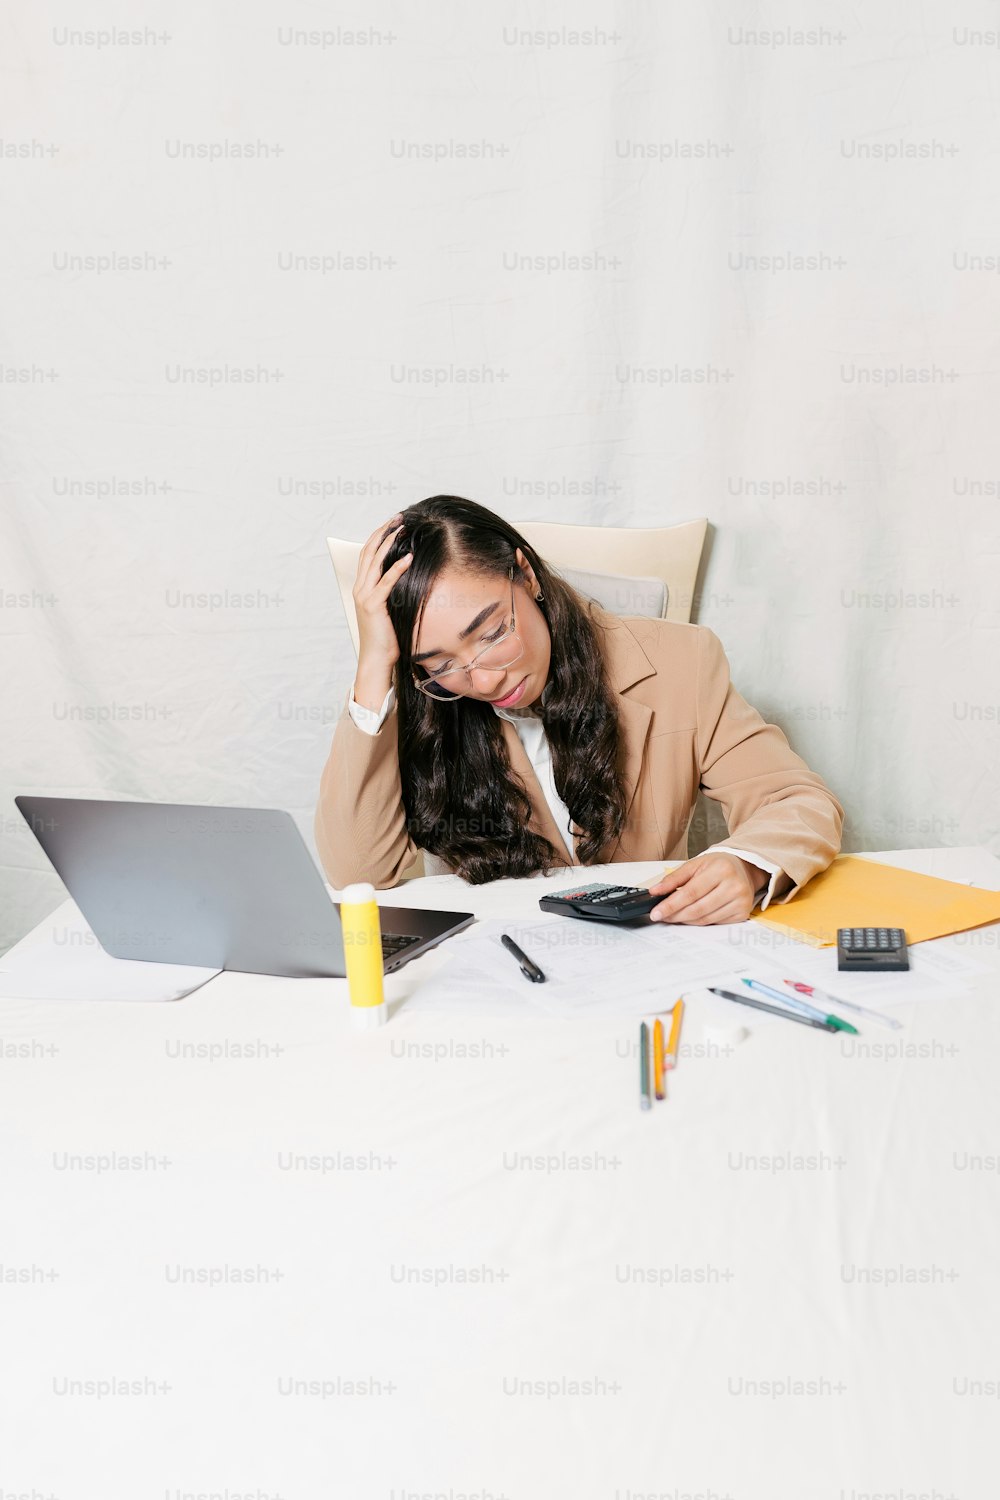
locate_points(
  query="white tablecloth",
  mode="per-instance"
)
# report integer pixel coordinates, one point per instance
(249, 1251)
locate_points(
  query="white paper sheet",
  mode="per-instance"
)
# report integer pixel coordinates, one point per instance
(590, 969)
(62, 960)
(936, 971)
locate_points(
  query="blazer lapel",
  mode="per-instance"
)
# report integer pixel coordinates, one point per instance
(635, 720)
(627, 664)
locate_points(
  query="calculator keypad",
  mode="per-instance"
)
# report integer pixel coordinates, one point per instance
(607, 902)
(874, 939)
(872, 949)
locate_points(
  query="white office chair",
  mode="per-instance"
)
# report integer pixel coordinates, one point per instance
(624, 555)
(642, 570)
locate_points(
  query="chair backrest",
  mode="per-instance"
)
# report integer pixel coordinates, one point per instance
(618, 594)
(632, 561)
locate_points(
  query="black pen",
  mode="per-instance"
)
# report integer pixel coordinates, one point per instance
(775, 1010)
(528, 969)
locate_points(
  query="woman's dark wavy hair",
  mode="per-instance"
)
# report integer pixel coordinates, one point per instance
(460, 796)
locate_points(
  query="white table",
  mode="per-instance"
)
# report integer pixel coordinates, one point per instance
(538, 1290)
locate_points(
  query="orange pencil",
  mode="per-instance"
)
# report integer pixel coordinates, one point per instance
(658, 1058)
(670, 1060)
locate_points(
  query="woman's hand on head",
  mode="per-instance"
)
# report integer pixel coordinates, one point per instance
(378, 649)
(712, 888)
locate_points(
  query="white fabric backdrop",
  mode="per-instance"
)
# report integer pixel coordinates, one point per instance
(835, 420)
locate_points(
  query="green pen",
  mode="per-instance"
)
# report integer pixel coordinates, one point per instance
(834, 1022)
(645, 1102)
(839, 1025)
(773, 1010)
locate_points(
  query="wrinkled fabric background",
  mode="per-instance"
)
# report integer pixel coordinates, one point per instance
(555, 275)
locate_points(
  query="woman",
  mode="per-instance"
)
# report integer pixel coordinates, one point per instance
(507, 725)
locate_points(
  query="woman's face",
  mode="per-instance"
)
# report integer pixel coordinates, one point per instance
(464, 613)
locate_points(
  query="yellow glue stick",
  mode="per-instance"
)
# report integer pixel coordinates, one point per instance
(363, 955)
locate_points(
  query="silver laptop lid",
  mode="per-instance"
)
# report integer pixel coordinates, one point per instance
(220, 887)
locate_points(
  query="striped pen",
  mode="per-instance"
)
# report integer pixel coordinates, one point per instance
(857, 1010)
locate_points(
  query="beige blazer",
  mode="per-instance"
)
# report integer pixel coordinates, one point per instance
(685, 726)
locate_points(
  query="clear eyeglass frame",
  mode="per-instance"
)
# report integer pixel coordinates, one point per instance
(427, 685)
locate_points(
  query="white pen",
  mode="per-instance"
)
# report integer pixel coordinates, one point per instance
(836, 1004)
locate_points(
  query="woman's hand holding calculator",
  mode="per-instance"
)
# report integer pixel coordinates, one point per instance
(722, 892)
(708, 889)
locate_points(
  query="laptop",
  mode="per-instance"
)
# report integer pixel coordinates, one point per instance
(217, 887)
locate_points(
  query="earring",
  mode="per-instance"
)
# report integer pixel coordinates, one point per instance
(539, 597)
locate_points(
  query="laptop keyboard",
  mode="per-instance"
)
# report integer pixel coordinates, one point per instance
(393, 943)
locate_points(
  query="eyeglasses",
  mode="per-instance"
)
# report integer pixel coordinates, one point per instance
(497, 656)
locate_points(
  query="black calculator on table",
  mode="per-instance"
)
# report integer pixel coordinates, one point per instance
(602, 903)
(871, 950)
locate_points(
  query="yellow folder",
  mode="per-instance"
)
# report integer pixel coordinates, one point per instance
(866, 893)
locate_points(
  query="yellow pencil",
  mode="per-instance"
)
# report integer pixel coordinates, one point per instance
(670, 1060)
(658, 1058)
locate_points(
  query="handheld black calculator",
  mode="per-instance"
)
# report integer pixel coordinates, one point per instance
(871, 950)
(602, 903)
